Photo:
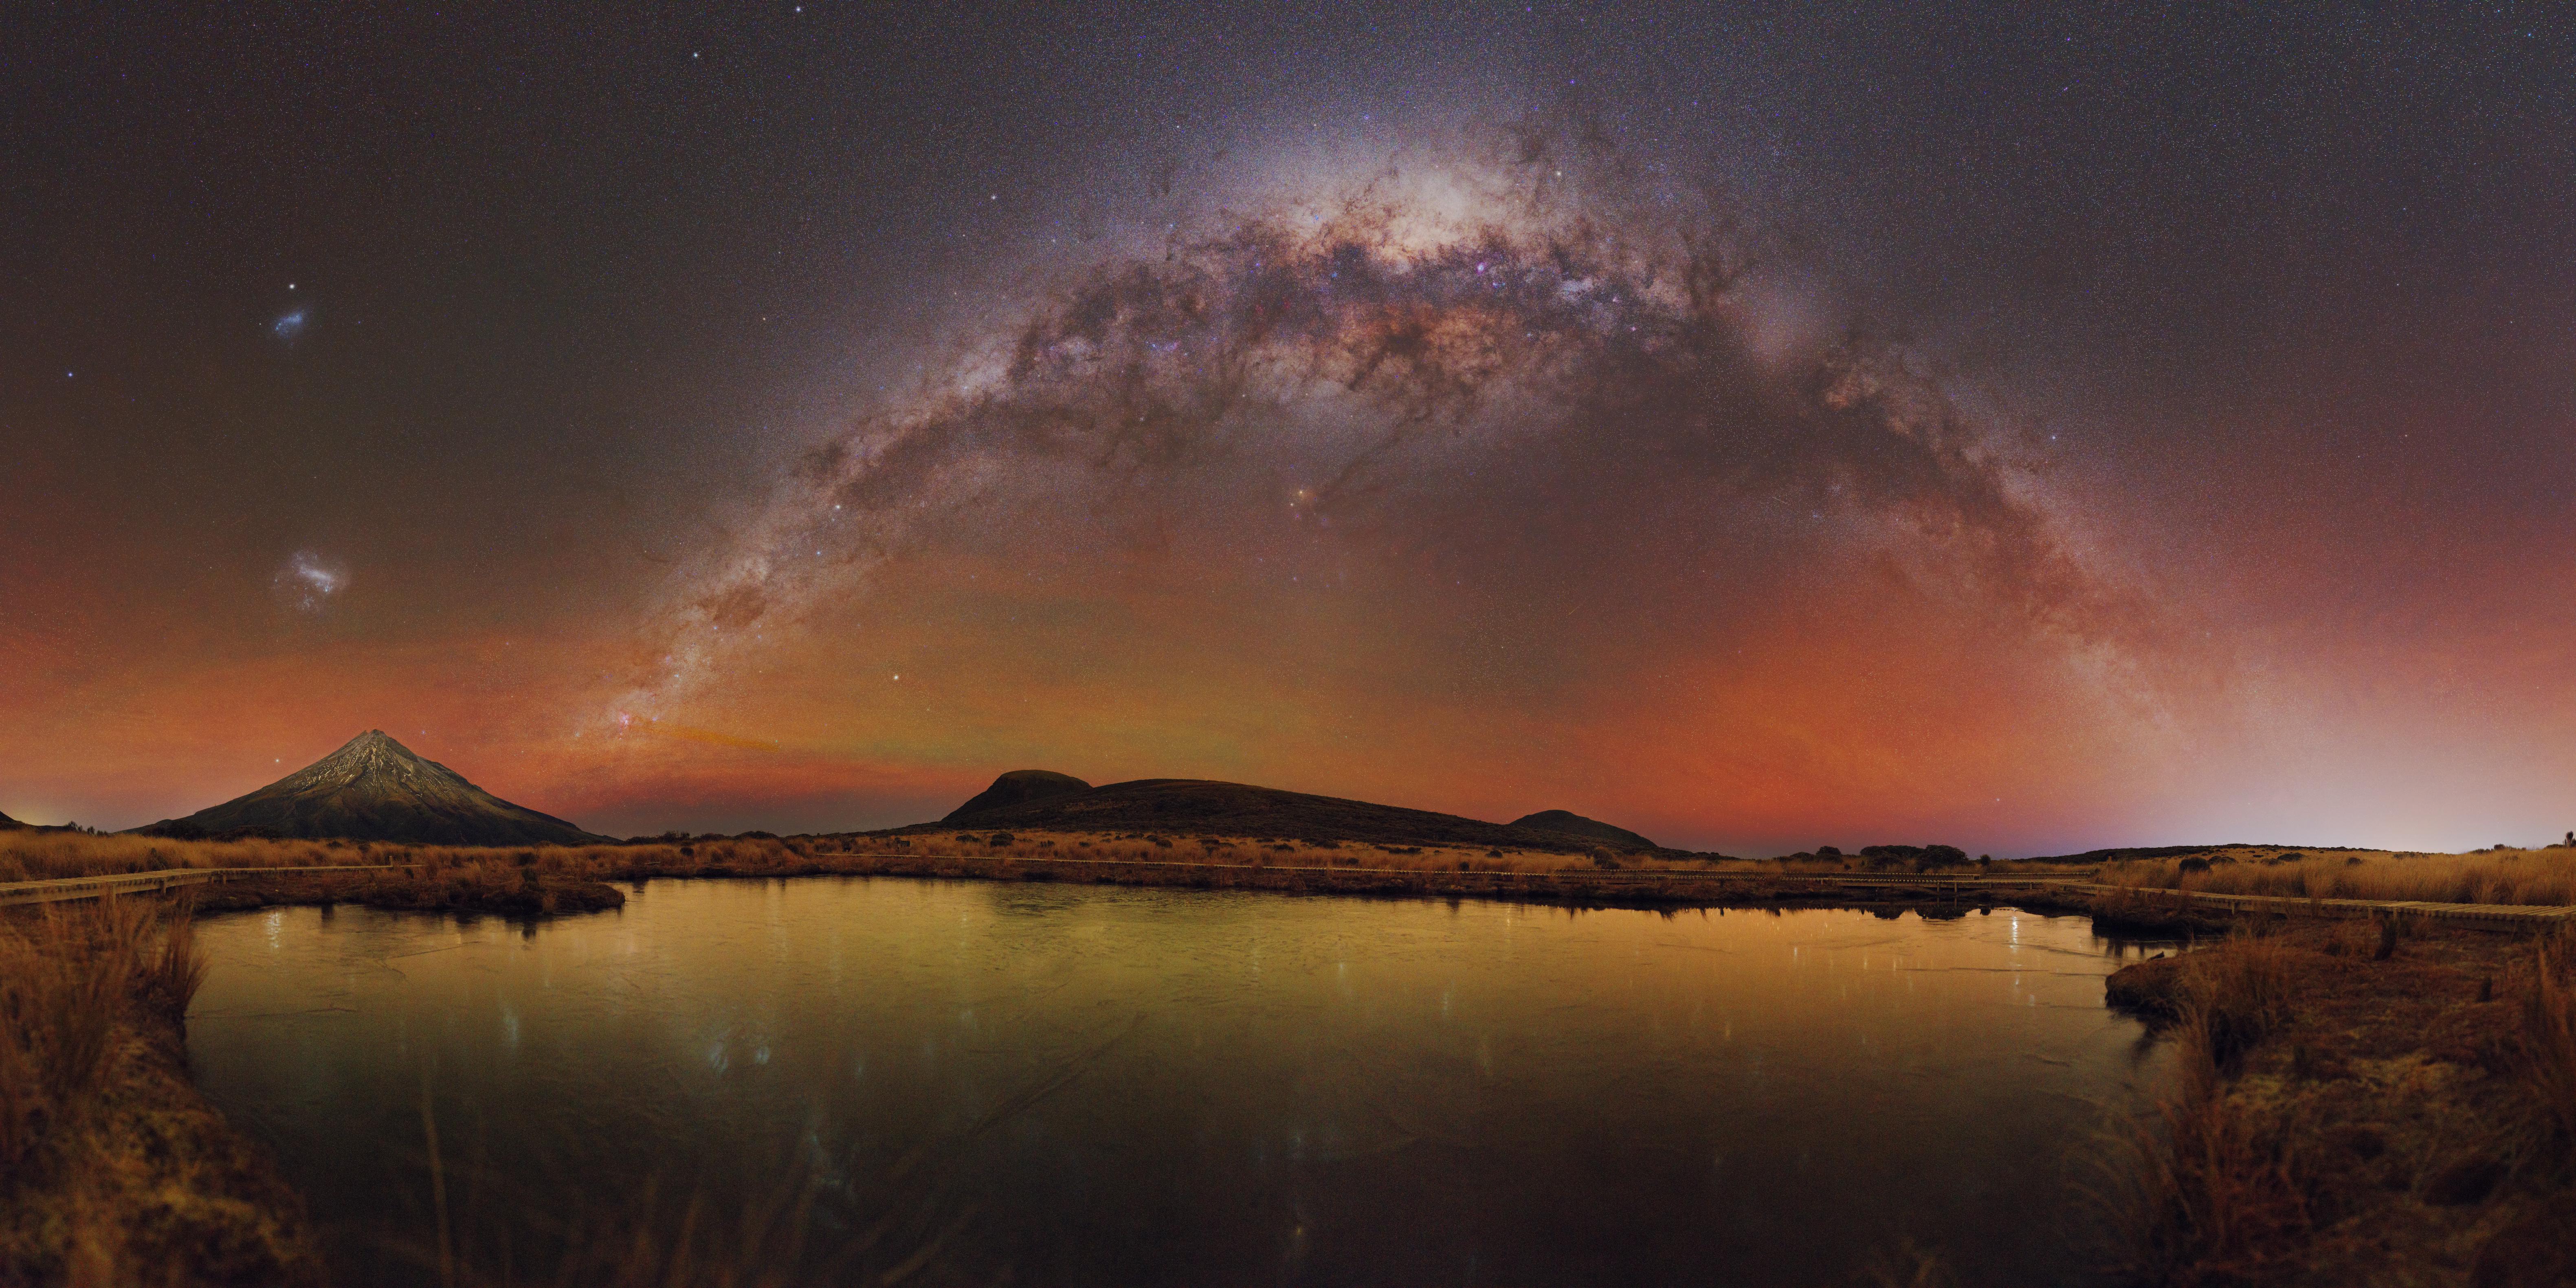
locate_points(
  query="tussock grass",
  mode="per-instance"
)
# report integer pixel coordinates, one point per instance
(112, 1170)
(2546, 1063)
(37, 856)
(2528, 877)
(40, 856)
(68, 977)
(2235, 995)
(2208, 1186)
(2215, 1185)
(2130, 904)
(2343, 1112)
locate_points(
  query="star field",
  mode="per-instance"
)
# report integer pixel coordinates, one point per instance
(1759, 425)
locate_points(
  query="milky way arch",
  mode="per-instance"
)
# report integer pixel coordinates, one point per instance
(1534, 283)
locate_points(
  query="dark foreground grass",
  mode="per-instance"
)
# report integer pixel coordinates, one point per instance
(2357, 1104)
(113, 1169)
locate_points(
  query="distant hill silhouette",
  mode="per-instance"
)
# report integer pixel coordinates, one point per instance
(2159, 852)
(1592, 829)
(1193, 806)
(1018, 787)
(8, 824)
(376, 789)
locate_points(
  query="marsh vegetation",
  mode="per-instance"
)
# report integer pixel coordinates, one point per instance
(113, 1169)
(2496, 876)
(2357, 1102)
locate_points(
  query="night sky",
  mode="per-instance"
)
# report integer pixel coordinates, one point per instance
(2028, 428)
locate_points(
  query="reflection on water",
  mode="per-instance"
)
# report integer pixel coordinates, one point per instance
(1085, 1085)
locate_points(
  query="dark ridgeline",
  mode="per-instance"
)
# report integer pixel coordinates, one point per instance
(1018, 787)
(1039, 801)
(376, 789)
(1570, 823)
(8, 824)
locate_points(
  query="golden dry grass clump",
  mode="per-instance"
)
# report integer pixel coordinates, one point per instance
(2547, 1057)
(2214, 1194)
(2526, 877)
(40, 856)
(2352, 1102)
(113, 1170)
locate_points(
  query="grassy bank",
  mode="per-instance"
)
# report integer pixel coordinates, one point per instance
(2546, 877)
(543, 880)
(515, 880)
(535, 881)
(2356, 1103)
(497, 887)
(113, 1169)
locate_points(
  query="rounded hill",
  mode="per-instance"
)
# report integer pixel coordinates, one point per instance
(1569, 823)
(1205, 807)
(1018, 787)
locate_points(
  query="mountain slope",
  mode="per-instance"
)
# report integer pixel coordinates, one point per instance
(1018, 787)
(1199, 807)
(1569, 823)
(376, 789)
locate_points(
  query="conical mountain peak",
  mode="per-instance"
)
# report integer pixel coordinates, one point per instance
(374, 788)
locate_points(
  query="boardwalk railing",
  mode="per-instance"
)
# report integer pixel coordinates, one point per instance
(2292, 905)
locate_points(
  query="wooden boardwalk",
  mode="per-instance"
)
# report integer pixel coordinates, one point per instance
(2515, 913)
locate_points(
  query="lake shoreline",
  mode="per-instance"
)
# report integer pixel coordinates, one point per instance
(535, 897)
(536, 893)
